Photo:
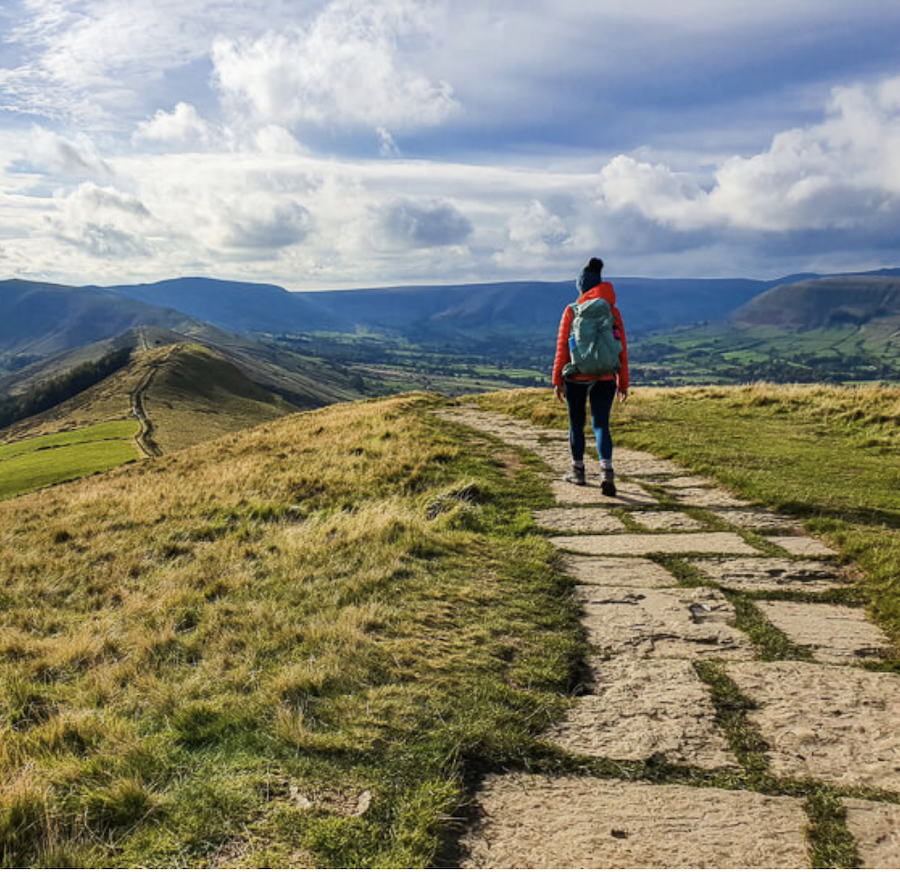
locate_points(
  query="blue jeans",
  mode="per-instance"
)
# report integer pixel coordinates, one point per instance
(601, 395)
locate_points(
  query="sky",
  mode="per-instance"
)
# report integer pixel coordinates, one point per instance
(321, 144)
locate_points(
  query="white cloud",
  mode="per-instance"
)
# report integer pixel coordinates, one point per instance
(347, 68)
(837, 175)
(182, 124)
(536, 230)
(59, 155)
(407, 223)
(104, 222)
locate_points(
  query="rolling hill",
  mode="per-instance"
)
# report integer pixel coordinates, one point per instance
(835, 301)
(441, 312)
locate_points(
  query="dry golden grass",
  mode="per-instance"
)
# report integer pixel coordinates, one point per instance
(300, 604)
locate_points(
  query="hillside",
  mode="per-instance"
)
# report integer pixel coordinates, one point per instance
(163, 400)
(252, 652)
(311, 642)
(423, 313)
(41, 320)
(825, 303)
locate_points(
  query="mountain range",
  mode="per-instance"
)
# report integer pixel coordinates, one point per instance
(48, 328)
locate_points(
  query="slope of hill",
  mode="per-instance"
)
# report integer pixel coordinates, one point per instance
(252, 653)
(836, 301)
(241, 307)
(428, 313)
(40, 320)
(165, 399)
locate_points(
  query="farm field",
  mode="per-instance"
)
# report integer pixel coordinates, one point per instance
(41, 461)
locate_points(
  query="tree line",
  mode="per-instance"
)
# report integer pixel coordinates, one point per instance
(51, 393)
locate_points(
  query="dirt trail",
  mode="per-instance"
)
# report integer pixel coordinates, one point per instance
(144, 439)
(669, 659)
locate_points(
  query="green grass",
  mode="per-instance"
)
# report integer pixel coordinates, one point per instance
(291, 646)
(35, 463)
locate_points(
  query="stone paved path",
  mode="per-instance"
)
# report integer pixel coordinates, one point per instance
(825, 719)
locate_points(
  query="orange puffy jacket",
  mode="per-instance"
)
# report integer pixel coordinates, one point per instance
(606, 291)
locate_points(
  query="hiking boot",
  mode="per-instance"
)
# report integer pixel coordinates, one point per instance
(575, 475)
(608, 482)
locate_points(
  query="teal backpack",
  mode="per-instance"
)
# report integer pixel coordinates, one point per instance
(593, 347)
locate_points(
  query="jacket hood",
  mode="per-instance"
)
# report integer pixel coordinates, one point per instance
(604, 290)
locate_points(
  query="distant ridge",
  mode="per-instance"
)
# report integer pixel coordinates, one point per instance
(834, 301)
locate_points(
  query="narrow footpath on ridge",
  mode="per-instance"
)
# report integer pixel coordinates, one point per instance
(734, 715)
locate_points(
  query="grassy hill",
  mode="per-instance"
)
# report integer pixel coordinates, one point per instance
(186, 394)
(300, 644)
(256, 651)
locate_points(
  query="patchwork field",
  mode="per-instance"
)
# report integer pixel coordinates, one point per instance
(42, 461)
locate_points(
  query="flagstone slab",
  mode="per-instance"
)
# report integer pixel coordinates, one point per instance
(641, 708)
(667, 521)
(876, 828)
(628, 461)
(688, 623)
(771, 573)
(835, 634)
(581, 519)
(545, 822)
(708, 498)
(617, 571)
(833, 724)
(629, 493)
(638, 544)
(751, 519)
(802, 546)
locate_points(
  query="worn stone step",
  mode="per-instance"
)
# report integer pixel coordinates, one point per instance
(628, 493)
(584, 519)
(637, 544)
(771, 573)
(802, 546)
(674, 522)
(617, 571)
(836, 634)
(688, 623)
(542, 822)
(830, 723)
(637, 709)
(876, 828)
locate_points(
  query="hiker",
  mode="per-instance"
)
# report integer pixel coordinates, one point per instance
(572, 378)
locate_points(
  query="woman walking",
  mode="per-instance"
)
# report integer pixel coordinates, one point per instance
(573, 380)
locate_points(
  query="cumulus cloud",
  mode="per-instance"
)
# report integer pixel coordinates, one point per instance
(347, 67)
(410, 223)
(60, 155)
(182, 124)
(260, 223)
(104, 222)
(536, 230)
(841, 174)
